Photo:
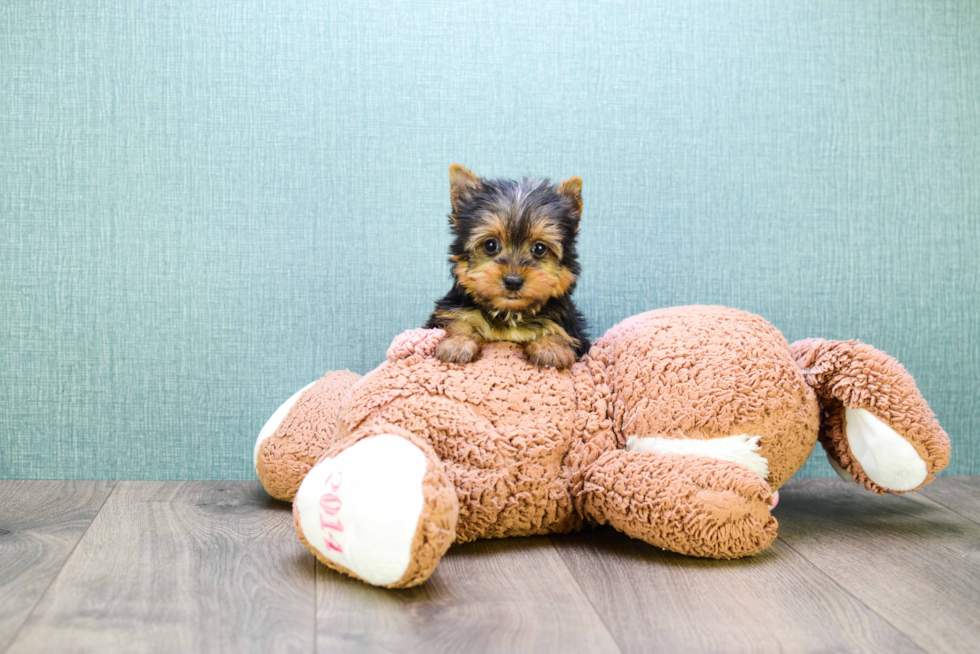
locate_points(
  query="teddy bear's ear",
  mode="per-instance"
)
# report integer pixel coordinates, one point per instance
(462, 185)
(571, 188)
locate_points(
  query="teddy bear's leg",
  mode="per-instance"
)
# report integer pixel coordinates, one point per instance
(378, 507)
(876, 428)
(297, 433)
(690, 504)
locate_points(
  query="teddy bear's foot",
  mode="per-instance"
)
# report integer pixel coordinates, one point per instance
(889, 461)
(877, 429)
(297, 433)
(380, 509)
(690, 504)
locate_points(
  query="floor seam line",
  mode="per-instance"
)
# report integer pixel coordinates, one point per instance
(949, 508)
(852, 595)
(13, 639)
(588, 599)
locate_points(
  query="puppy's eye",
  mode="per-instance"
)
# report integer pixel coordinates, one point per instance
(539, 249)
(492, 246)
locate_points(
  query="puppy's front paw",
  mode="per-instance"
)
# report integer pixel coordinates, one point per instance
(458, 348)
(550, 352)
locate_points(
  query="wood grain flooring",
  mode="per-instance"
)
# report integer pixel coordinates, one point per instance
(216, 567)
(41, 522)
(908, 558)
(181, 567)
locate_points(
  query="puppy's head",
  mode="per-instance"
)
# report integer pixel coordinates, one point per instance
(514, 246)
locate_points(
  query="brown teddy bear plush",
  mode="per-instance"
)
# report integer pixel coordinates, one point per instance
(677, 427)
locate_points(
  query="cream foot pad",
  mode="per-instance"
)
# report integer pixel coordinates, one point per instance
(888, 459)
(361, 509)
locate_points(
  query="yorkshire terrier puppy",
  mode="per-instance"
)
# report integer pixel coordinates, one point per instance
(514, 269)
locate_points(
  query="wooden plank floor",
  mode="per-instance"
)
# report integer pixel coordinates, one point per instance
(41, 522)
(216, 567)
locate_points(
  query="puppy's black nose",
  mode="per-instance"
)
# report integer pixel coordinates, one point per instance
(513, 282)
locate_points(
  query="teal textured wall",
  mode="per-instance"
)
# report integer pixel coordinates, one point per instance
(207, 205)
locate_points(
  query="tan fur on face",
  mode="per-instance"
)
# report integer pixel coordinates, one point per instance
(493, 227)
(548, 233)
(549, 279)
(482, 274)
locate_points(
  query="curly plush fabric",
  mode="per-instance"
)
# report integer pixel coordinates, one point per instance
(676, 428)
(699, 505)
(436, 528)
(299, 441)
(711, 372)
(850, 374)
(500, 425)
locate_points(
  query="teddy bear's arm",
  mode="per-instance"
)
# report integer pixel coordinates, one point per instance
(695, 505)
(415, 341)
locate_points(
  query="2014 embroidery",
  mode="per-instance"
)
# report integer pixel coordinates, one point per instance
(330, 504)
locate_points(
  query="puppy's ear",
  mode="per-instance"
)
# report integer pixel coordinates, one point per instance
(462, 185)
(571, 188)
